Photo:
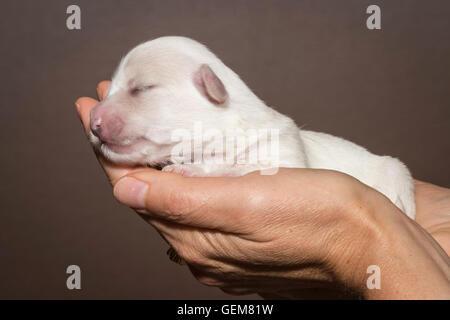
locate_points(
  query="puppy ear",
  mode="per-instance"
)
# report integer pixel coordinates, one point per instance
(210, 85)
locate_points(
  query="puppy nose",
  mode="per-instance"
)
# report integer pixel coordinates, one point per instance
(106, 125)
(96, 127)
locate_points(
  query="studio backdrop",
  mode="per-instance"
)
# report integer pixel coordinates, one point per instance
(316, 61)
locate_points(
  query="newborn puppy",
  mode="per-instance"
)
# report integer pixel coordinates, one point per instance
(175, 83)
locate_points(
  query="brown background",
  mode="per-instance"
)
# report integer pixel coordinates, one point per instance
(314, 60)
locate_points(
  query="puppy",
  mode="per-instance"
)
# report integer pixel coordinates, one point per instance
(173, 104)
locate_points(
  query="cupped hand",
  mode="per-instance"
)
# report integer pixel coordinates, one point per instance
(297, 232)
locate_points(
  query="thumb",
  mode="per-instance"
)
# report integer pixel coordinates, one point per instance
(210, 203)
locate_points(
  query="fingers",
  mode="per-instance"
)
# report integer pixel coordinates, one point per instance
(85, 104)
(84, 107)
(210, 203)
(116, 172)
(102, 89)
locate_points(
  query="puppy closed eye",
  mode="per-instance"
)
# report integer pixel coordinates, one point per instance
(137, 90)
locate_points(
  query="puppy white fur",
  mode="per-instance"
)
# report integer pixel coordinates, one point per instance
(175, 82)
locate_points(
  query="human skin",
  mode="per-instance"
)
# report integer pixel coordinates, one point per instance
(311, 232)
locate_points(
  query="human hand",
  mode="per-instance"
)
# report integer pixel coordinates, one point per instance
(207, 233)
(297, 230)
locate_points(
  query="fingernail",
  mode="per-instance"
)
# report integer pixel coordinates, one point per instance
(131, 192)
(77, 106)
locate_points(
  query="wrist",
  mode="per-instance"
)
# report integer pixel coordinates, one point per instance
(358, 240)
(410, 263)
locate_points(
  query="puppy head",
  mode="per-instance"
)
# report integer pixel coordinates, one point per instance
(161, 85)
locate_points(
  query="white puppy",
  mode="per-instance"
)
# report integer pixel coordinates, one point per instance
(174, 83)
